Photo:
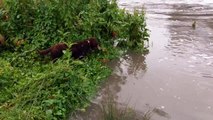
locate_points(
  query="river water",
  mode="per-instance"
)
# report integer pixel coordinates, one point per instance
(176, 77)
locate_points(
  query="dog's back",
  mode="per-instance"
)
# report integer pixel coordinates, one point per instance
(82, 48)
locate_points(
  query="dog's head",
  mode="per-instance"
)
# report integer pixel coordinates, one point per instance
(94, 43)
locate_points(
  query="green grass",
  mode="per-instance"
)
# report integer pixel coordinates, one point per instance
(112, 111)
(35, 88)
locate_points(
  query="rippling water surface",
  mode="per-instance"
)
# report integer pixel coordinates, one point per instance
(176, 77)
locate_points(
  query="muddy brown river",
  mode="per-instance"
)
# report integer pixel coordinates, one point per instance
(176, 77)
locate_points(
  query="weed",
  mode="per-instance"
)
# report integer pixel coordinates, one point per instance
(111, 111)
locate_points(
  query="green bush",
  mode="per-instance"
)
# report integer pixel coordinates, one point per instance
(32, 88)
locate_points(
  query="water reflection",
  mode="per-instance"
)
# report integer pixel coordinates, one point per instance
(132, 64)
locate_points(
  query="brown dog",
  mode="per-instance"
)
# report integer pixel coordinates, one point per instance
(82, 48)
(56, 51)
(79, 49)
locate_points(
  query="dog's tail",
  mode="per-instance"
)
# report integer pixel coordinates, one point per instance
(44, 52)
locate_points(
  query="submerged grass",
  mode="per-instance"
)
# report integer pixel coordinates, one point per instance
(111, 111)
(35, 88)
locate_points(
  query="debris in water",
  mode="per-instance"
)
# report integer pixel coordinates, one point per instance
(194, 25)
(162, 107)
(160, 112)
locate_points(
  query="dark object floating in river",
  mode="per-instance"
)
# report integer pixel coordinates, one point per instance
(194, 25)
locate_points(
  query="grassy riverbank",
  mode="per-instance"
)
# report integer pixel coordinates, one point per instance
(36, 88)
